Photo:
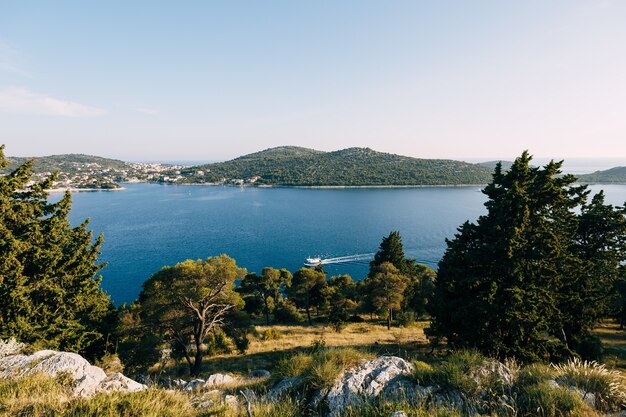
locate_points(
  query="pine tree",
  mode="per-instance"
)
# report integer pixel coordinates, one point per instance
(392, 251)
(49, 294)
(510, 284)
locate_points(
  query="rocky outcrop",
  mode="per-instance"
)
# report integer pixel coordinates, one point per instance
(367, 380)
(218, 379)
(282, 388)
(118, 382)
(86, 378)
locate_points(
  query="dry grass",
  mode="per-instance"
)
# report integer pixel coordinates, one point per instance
(265, 353)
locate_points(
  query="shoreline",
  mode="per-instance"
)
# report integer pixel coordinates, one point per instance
(81, 190)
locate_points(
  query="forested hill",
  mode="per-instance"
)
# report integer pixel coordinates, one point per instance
(87, 171)
(294, 166)
(615, 175)
(66, 163)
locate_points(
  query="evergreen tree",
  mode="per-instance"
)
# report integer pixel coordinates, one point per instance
(49, 294)
(267, 287)
(392, 251)
(526, 279)
(386, 289)
(308, 290)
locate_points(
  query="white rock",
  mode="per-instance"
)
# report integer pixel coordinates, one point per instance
(118, 382)
(282, 388)
(218, 379)
(86, 377)
(367, 380)
(398, 414)
(194, 384)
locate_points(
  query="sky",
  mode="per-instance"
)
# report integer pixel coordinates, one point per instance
(212, 80)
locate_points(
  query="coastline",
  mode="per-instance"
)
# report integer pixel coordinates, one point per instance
(81, 190)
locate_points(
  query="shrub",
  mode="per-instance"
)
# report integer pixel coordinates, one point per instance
(294, 365)
(270, 334)
(607, 385)
(454, 374)
(534, 374)
(545, 400)
(287, 313)
(327, 364)
(286, 407)
(407, 318)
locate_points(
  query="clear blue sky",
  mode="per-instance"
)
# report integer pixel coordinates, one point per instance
(213, 80)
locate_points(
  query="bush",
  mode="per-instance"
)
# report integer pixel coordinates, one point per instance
(293, 365)
(270, 334)
(607, 385)
(327, 364)
(407, 318)
(454, 374)
(287, 313)
(545, 400)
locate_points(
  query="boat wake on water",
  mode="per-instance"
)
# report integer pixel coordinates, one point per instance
(362, 258)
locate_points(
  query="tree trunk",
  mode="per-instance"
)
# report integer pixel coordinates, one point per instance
(389, 320)
(267, 312)
(308, 314)
(197, 365)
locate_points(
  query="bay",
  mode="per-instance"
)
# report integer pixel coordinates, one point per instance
(148, 226)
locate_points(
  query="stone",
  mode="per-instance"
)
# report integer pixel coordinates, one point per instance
(231, 401)
(282, 388)
(194, 384)
(398, 414)
(86, 377)
(402, 388)
(259, 373)
(366, 380)
(118, 382)
(218, 379)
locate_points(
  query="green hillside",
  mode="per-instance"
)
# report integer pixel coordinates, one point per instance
(294, 166)
(67, 163)
(615, 175)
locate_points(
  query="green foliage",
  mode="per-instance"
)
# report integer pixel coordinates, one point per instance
(49, 294)
(294, 365)
(592, 377)
(308, 290)
(353, 167)
(270, 334)
(545, 400)
(385, 289)
(533, 276)
(327, 364)
(454, 374)
(267, 287)
(186, 303)
(287, 313)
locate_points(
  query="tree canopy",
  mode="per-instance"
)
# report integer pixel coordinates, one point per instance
(49, 293)
(183, 303)
(531, 277)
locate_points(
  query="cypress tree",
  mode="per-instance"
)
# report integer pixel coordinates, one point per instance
(49, 295)
(531, 277)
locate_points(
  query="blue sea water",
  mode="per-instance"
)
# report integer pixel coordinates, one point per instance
(148, 226)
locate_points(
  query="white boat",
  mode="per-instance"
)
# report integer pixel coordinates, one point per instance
(313, 261)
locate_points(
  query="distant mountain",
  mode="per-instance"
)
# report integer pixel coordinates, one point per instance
(295, 166)
(615, 175)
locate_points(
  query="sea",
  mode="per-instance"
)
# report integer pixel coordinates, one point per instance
(149, 226)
